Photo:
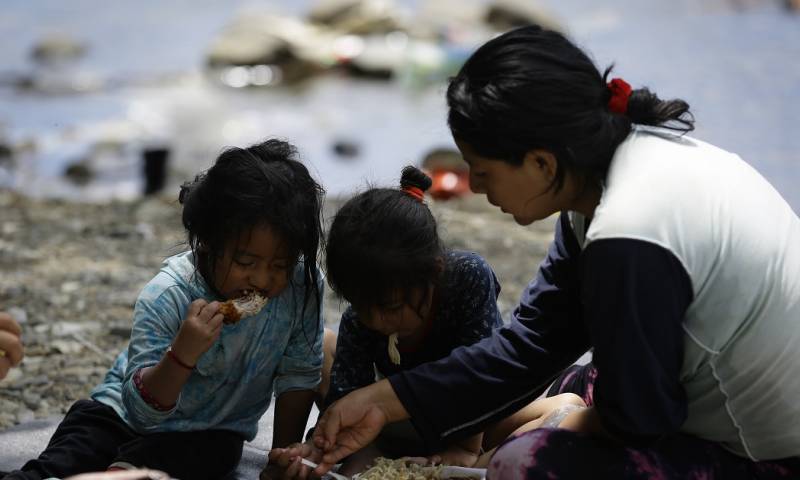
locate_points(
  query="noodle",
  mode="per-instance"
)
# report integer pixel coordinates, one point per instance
(387, 469)
(394, 354)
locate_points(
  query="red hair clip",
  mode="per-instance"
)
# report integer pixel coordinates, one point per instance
(415, 192)
(620, 93)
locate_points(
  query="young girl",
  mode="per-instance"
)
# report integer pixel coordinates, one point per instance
(675, 260)
(189, 390)
(411, 302)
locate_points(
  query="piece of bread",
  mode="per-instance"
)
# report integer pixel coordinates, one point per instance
(245, 306)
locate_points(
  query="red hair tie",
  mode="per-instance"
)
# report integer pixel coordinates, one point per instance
(415, 192)
(620, 93)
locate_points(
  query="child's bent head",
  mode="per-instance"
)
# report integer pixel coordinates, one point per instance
(250, 218)
(383, 249)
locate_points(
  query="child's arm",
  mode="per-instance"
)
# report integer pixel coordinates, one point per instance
(291, 414)
(353, 365)
(165, 380)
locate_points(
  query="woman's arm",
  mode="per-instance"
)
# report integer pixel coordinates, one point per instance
(636, 294)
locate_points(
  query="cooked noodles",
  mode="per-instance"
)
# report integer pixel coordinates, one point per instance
(394, 354)
(387, 469)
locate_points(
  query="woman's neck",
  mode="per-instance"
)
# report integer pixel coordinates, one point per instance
(587, 198)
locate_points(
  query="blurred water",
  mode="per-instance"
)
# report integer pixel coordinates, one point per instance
(736, 62)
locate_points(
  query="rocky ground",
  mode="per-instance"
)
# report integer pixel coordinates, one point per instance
(70, 273)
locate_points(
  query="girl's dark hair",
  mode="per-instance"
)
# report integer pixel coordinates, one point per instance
(383, 240)
(260, 185)
(531, 88)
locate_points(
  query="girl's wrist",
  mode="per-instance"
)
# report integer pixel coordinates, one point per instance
(179, 359)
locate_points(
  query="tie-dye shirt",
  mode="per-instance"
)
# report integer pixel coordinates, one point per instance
(275, 351)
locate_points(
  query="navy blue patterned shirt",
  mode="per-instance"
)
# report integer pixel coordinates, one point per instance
(465, 311)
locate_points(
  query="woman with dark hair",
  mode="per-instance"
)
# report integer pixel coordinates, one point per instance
(206, 352)
(675, 261)
(411, 302)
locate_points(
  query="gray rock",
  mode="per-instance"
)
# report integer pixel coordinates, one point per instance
(25, 415)
(32, 400)
(58, 48)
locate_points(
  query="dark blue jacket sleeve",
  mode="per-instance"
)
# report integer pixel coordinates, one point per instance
(635, 296)
(476, 385)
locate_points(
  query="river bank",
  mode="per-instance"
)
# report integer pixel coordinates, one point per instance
(71, 273)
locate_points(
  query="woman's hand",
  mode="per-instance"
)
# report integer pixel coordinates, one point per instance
(11, 350)
(354, 421)
(199, 331)
(284, 463)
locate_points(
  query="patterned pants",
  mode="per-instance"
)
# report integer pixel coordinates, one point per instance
(561, 454)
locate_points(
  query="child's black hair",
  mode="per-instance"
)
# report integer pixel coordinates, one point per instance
(532, 88)
(384, 240)
(263, 184)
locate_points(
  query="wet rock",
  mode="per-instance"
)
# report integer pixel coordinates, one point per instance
(79, 173)
(347, 149)
(265, 49)
(58, 47)
(503, 15)
(357, 16)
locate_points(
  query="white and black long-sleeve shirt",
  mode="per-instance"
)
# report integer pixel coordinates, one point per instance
(687, 285)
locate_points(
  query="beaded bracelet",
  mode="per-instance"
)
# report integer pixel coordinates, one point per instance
(177, 360)
(148, 399)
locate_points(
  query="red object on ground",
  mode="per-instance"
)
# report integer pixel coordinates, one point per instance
(449, 183)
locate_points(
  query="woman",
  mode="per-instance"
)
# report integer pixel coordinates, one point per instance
(673, 259)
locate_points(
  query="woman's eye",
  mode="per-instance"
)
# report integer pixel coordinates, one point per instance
(244, 263)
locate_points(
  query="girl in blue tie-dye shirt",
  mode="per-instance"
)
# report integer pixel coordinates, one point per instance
(189, 390)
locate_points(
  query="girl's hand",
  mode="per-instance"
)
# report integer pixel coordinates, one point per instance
(346, 427)
(11, 350)
(284, 463)
(198, 332)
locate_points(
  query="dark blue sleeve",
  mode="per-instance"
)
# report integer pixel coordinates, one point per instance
(353, 364)
(476, 385)
(635, 297)
(478, 288)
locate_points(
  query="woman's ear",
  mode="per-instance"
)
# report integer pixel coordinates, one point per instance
(542, 162)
